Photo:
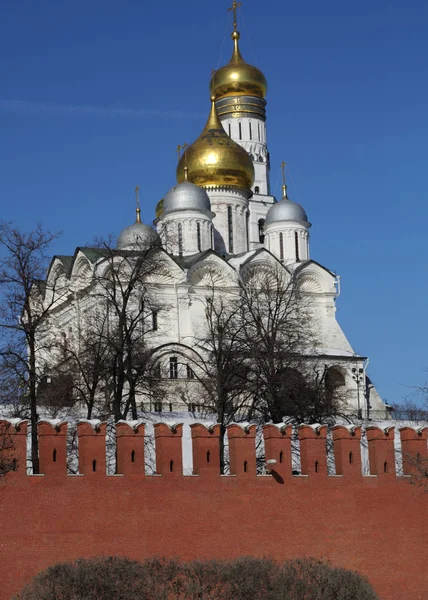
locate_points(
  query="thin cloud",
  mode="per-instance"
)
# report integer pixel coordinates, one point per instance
(24, 107)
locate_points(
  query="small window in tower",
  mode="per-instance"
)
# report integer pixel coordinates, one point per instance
(251, 131)
(180, 239)
(198, 232)
(258, 130)
(240, 131)
(173, 367)
(281, 247)
(142, 315)
(230, 227)
(230, 130)
(262, 231)
(157, 406)
(247, 229)
(257, 190)
(155, 320)
(190, 373)
(212, 237)
(296, 244)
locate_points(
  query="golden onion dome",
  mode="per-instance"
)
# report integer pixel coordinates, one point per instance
(159, 208)
(238, 78)
(214, 159)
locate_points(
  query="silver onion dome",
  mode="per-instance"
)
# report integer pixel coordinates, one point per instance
(286, 210)
(186, 196)
(137, 236)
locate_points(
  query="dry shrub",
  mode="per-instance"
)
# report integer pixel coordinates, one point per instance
(104, 578)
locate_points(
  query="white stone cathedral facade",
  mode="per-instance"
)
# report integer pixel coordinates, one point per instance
(221, 218)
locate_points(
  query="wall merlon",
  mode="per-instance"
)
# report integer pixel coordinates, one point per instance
(381, 450)
(414, 448)
(313, 449)
(346, 432)
(53, 447)
(242, 450)
(347, 450)
(206, 448)
(92, 447)
(277, 439)
(169, 455)
(130, 441)
(14, 444)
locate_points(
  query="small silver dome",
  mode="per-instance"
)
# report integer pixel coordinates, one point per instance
(137, 236)
(186, 196)
(286, 210)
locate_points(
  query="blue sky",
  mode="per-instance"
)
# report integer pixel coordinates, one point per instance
(95, 95)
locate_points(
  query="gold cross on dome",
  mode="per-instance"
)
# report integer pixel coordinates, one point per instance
(283, 165)
(234, 7)
(180, 148)
(284, 184)
(137, 198)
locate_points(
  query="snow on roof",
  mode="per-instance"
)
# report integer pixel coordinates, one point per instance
(237, 261)
(14, 421)
(350, 427)
(280, 426)
(133, 424)
(53, 422)
(93, 422)
(244, 425)
(336, 352)
(315, 426)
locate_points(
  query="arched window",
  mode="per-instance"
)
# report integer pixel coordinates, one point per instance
(251, 131)
(261, 231)
(334, 379)
(173, 367)
(240, 131)
(247, 229)
(230, 130)
(212, 237)
(230, 228)
(198, 233)
(180, 239)
(296, 244)
(281, 247)
(257, 190)
(258, 130)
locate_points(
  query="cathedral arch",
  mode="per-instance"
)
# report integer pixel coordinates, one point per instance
(175, 362)
(212, 271)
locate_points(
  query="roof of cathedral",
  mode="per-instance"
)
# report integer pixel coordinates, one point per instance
(137, 236)
(238, 78)
(186, 196)
(286, 210)
(215, 160)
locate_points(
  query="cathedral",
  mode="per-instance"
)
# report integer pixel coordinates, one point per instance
(221, 218)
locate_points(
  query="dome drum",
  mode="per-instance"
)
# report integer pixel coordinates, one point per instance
(243, 106)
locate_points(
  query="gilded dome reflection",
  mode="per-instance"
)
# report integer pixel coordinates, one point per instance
(214, 159)
(238, 78)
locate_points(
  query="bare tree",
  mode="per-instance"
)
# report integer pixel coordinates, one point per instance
(110, 358)
(279, 339)
(126, 290)
(25, 303)
(223, 369)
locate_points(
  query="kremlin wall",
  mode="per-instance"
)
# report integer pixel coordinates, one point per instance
(376, 524)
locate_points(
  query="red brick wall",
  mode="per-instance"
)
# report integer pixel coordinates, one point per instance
(375, 524)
